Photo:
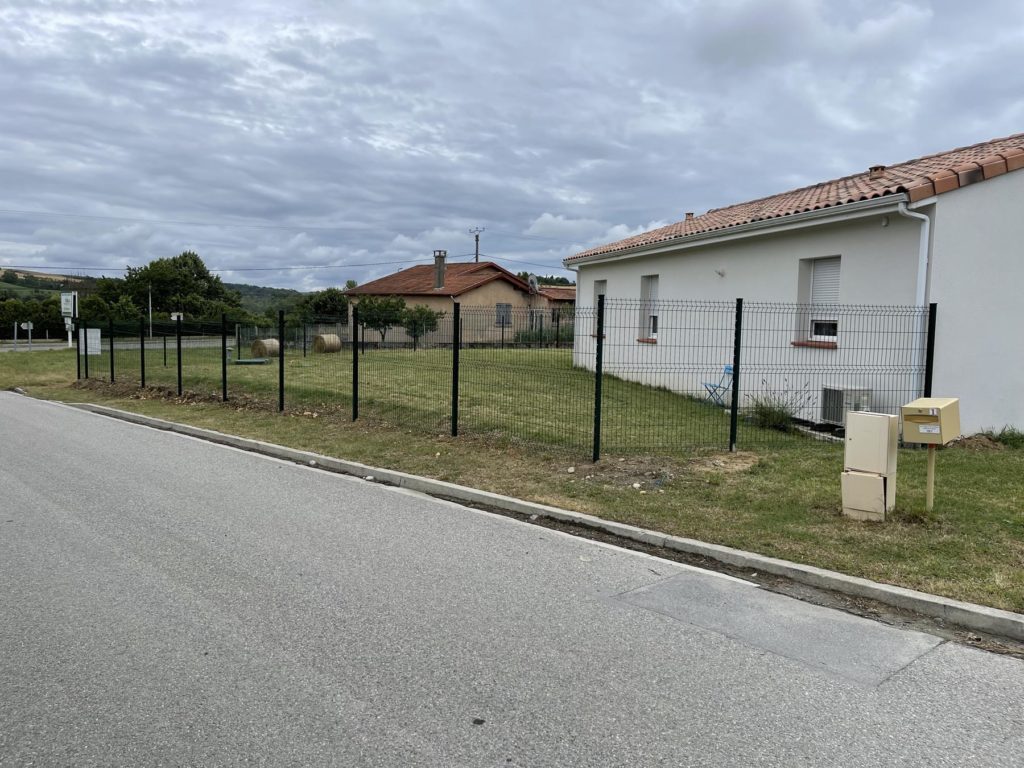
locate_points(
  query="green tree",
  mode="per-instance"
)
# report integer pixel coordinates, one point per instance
(179, 284)
(93, 309)
(11, 311)
(328, 303)
(381, 313)
(123, 310)
(350, 284)
(420, 320)
(545, 279)
(110, 289)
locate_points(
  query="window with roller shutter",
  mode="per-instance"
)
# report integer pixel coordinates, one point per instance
(824, 326)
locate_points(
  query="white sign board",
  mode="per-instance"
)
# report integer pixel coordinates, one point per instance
(94, 341)
(27, 326)
(67, 303)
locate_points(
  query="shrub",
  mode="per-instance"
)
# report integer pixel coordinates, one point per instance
(546, 335)
(778, 408)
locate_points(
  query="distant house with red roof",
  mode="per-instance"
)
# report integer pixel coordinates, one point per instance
(492, 299)
(946, 228)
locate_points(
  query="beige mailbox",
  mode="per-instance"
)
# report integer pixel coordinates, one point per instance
(931, 420)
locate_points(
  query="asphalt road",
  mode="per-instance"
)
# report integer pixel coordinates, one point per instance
(164, 601)
(37, 346)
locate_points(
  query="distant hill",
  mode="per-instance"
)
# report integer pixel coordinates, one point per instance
(260, 300)
(22, 284)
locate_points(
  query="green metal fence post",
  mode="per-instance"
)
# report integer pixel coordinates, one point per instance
(177, 343)
(598, 375)
(355, 363)
(224, 357)
(456, 343)
(142, 352)
(110, 327)
(734, 409)
(280, 360)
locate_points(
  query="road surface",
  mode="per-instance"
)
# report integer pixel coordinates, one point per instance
(166, 601)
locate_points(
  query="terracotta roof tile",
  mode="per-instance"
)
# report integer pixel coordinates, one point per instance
(559, 292)
(919, 179)
(419, 280)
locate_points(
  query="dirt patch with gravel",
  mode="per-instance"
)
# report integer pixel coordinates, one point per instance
(978, 443)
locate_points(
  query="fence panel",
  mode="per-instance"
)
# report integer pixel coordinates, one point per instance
(869, 358)
(127, 352)
(664, 385)
(318, 367)
(405, 380)
(519, 379)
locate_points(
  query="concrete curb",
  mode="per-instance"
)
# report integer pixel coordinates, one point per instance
(967, 615)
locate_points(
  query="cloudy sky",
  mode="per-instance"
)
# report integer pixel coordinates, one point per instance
(357, 137)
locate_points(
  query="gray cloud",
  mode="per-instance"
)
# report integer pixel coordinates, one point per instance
(322, 133)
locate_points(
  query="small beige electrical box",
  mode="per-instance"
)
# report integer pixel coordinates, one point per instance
(931, 420)
(867, 496)
(871, 442)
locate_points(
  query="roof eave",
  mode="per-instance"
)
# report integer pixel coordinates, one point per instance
(830, 215)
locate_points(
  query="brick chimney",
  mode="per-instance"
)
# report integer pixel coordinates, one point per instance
(876, 171)
(689, 215)
(439, 257)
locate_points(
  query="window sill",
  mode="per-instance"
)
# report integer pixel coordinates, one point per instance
(647, 341)
(815, 344)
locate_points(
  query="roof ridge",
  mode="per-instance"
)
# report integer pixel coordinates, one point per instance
(861, 173)
(918, 178)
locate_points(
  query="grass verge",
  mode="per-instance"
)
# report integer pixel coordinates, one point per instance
(781, 502)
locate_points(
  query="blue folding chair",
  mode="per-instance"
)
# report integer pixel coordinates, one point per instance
(717, 389)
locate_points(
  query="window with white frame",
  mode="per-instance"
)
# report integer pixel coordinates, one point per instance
(824, 295)
(649, 307)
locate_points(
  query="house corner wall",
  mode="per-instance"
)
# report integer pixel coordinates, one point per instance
(977, 266)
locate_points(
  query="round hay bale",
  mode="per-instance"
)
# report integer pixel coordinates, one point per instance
(265, 348)
(327, 342)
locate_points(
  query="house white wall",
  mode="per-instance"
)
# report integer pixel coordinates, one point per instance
(879, 265)
(976, 270)
(879, 258)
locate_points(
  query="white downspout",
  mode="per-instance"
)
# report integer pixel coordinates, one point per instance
(922, 278)
(922, 252)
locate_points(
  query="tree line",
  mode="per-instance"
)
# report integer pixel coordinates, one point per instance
(181, 283)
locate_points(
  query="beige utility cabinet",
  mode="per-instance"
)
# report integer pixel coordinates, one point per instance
(931, 420)
(869, 465)
(871, 443)
(867, 496)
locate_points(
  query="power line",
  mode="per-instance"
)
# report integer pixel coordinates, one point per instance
(37, 268)
(521, 261)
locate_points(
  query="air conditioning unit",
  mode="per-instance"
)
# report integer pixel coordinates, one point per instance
(836, 402)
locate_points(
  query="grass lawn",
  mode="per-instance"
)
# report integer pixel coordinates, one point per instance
(781, 500)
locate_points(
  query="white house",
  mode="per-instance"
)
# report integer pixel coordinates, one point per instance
(947, 228)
